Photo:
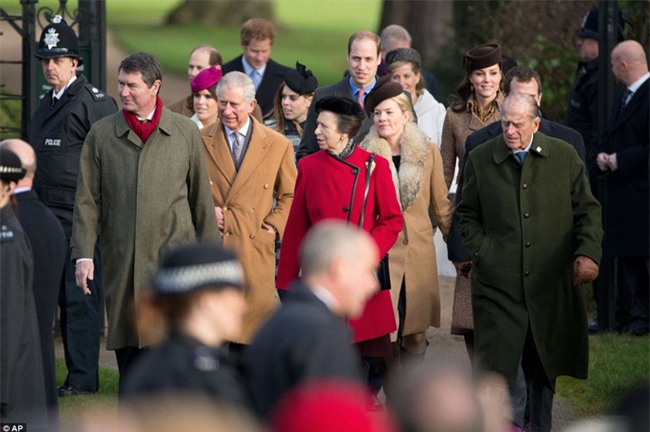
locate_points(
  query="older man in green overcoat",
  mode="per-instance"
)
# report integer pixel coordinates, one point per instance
(533, 228)
(143, 188)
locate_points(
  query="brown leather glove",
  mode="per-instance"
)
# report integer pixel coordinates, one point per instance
(584, 270)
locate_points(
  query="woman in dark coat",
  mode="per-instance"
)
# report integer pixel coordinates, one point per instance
(197, 304)
(22, 384)
(341, 181)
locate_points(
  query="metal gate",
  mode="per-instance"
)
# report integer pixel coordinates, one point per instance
(89, 22)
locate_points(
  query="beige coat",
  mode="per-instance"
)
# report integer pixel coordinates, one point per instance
(413, 256)
(457, 127)
(247, 197)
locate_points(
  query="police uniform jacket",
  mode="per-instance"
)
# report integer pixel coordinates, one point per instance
(184, 365)
(22, 386)
(421, 189)
(142, 199)
(57, 133)
(524, 226)
(324, 189)
(260, 191)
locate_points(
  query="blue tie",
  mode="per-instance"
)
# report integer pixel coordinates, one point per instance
(627, 96)
(521, 155)
(257, 78)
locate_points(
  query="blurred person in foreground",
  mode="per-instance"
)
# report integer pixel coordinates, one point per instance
(22, 383)
(306, 338)
(197, 303)
(533, 229)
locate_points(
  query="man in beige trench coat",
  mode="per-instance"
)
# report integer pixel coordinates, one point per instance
(249, 166)
(142, 189)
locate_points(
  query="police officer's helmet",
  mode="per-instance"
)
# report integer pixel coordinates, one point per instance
(58, 40)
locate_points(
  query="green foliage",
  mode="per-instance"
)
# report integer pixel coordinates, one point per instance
(616, 364)
(557, 68)
(10, 112)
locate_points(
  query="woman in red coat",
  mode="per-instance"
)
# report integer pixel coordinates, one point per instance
(331, 184)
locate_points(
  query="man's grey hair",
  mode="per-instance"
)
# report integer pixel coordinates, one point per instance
(525, 100)
(326, 242)
(238, 79)
(394, 33)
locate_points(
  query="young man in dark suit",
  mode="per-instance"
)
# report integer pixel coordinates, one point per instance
(257, 37)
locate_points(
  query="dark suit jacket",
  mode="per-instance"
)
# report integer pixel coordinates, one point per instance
(302, 341)
(273, 77)
(308, 144)
(455, 249)
(48, 242)
(626, 196)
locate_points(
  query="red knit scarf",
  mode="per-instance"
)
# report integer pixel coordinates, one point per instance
(143, 130)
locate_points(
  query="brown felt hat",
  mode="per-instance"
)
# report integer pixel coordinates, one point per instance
(482, 56)
(385, 88)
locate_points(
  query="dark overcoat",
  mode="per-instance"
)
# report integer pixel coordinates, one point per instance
(302, 341)
(48, 242)
(141, 199)
(324, 189)
(627, 208)
(524, 226)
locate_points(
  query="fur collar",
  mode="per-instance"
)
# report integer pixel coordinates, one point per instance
(414, 155)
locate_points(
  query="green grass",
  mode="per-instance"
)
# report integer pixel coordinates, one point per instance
(103, 403)
(616, 363)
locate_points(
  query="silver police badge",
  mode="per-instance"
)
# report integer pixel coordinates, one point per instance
(51, 38)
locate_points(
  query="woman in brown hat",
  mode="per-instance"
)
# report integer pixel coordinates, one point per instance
(477, 104)
(291, 103)
(480, 98)
(417, 172)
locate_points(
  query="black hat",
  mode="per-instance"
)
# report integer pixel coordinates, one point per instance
(385, 88)
(482, 56)
(340, 105)
(11, 169)
(589, 26)
(403, 55)
(301, 80)
(58, 40)
(190, 268)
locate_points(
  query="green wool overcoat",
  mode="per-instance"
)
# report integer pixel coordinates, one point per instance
(140, 199)
(524, 226)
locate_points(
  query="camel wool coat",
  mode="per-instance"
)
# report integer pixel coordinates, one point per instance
(140, 199)
(421, 187)
(267, 172)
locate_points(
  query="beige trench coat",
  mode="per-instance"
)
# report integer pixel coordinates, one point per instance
(267, 171)
(421, 187)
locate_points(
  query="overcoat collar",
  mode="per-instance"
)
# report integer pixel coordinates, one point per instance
(501, 152)
(164, 126)
(219, 151)
(414, 147)
(622, 113)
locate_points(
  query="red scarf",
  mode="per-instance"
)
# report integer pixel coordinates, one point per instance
(144, 130)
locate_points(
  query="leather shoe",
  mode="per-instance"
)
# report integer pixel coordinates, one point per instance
(71, 390)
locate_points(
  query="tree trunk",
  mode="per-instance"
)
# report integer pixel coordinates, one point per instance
(220, 12)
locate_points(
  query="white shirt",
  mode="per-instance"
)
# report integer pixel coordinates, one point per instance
(243, 132)
(57, 95)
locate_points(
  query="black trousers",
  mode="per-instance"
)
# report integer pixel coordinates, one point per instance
(126, 358)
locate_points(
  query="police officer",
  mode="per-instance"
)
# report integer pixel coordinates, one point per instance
(57, 132)
(22, 386)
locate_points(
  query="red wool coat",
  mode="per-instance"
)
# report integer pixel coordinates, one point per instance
(323, 191)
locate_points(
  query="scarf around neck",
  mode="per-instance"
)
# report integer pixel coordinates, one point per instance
(144, 130)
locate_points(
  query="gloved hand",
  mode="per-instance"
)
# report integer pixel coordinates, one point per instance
(584, 270)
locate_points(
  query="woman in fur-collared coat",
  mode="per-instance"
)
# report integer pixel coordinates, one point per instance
(417, 173)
